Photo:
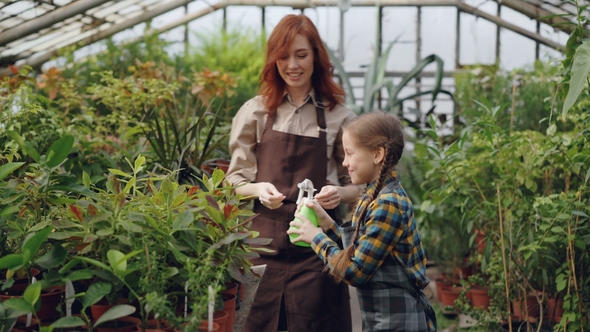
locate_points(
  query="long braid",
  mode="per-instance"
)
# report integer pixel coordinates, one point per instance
(340, 261)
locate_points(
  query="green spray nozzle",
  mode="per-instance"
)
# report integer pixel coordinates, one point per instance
(306, 186)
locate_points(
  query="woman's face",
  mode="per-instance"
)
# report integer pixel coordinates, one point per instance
(296, 66)
(361, 163)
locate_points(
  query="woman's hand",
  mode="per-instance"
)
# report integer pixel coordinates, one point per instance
(324, 220)
(269, 196)
(304, 228)
(329, 197)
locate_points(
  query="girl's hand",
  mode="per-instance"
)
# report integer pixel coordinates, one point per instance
(329, 197)
(305, 229)
(324, 220)
(269, 196)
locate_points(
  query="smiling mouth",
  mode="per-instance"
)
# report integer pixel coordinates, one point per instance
(294, 75)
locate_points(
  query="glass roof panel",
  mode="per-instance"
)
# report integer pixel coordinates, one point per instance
(51, 35)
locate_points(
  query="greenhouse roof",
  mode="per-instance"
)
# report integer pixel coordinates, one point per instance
(32, 31)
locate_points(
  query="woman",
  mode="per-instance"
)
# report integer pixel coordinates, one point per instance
(289, 133)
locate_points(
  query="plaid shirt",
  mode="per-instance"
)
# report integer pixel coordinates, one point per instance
(388, 228)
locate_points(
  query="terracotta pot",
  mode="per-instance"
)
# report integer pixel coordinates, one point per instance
(154, 325)
(20, 284)
(554, 310)
(50, 301)
(449, 295)
(480, 241)
(232, 288)
(229, 306)
(220, 317)
(522, 309)
(441, 282)
(479, 297)
(102, 306)
(204, 327)
(21, 323)
(242, 287)
(123, 324)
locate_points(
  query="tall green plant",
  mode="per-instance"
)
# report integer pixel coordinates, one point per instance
(375, 82)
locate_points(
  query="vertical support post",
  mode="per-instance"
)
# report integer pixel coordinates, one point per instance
(225, 19)
(378, 47)
(458, 40)
(263, 31)
(537, 45)
(341, 37)
(498, 35)
(186, 32)
(418, 52)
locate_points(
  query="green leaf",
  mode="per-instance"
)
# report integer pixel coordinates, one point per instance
(55, 257)
(116, 261)
(8, 168)
(32, 245)
(11, 262)
(80, 275)
(93, 262)
(95, 293)
(86, 179)
(580, 70)
(350, 99)
(32, 293)
(119, 172)
(118, 311)
(71, 321)
(27, 148)
(558, 229)
(59, 151)
(580, 213)
(561, 282)
(19, 304)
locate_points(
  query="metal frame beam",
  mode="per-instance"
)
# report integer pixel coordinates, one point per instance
(72, 9)
(297, 4)
(164, 8)
(537, 13)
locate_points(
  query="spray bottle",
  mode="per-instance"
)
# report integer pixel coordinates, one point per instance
(305, 187)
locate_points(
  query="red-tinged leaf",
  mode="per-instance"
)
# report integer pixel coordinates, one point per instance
(229, 210)
(150, 187)
(22, 212)
(212, 201)
(92, 210)
(13, 69)
(193, 190)
(116, 185)
(77, 212)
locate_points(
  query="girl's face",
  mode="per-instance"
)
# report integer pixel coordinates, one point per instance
(363, 165)
(296, 66)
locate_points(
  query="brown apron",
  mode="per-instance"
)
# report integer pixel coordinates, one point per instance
(313, 302)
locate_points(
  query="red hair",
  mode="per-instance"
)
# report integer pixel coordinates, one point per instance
(272, 85)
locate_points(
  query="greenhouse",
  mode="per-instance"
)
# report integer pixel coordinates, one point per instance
(155, 156)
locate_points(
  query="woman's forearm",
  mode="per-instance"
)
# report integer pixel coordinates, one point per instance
(349, 193)
(248, 190)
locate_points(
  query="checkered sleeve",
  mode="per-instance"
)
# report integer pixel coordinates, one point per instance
(388, 228)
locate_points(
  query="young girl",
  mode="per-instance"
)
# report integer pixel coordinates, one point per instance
(383, 256)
